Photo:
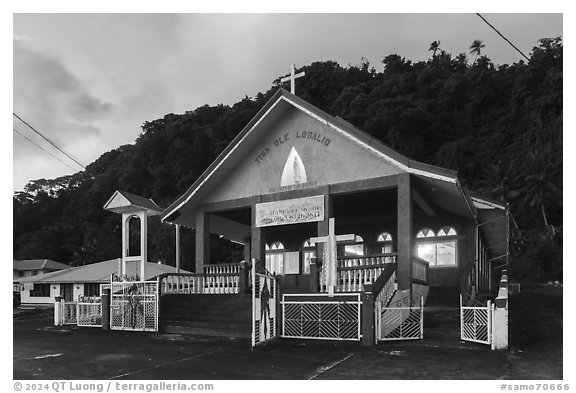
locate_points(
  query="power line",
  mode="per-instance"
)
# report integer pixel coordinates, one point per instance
(41, 148)
(500, 34)
(49, 141)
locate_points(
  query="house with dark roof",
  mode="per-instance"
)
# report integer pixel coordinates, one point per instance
(82, 280)
(34, 267)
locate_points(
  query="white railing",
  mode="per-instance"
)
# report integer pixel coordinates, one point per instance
(228, 268)
(206, 284)
(353, 273)
(420, 269)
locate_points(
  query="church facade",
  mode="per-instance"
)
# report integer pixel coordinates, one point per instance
(294, 167)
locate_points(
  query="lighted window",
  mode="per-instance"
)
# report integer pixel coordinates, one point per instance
(275, 258)
(356, 249)
(385, 243)
(437, 249)
(309, 252)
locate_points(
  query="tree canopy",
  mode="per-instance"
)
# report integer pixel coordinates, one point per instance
(499, 126)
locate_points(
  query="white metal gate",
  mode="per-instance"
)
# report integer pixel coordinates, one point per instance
(69, 310)
(264, 296)
(476, 323)
(134, 306)
(401, 320)
(317, 316)
(89, 311)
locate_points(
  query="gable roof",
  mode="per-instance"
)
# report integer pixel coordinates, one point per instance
(122, 202)
(279, 104)
(38, 264)
(99, 272)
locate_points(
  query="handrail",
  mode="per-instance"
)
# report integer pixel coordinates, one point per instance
(389, 254)
(383, 278)
(360, 271)
(364, 267)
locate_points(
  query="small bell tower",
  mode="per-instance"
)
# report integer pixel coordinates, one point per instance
(133, 206)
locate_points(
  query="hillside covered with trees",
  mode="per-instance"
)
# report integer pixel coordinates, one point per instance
(499, 126)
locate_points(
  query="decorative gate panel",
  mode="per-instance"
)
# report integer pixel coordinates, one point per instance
(476, 323)
(400, 321)
(303, 316)
(134, 306)
(69, 313)
(89, 311)
(264, 296)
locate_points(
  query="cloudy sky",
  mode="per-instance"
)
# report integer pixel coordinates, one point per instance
(89, 81)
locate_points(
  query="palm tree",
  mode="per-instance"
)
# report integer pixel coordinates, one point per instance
(501, 181)
(540, 184)
(476, 48)
(434, 47)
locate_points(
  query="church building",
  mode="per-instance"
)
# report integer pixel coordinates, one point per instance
(296, 176)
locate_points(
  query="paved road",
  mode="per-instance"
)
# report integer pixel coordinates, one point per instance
(42, 351)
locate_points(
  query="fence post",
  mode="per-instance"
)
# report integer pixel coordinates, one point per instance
(243, 281)
(367, 315)
(105, 300)
(58, 311)
(500, 316)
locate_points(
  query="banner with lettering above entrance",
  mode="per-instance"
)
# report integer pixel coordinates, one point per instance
(290, 211)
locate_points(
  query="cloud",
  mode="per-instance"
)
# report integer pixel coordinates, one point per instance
(48, 96)
(57, 104)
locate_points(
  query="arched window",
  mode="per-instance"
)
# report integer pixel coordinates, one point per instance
(438, 249)
(275, 258)
(356, 249)
(385, 243)
(308, 252)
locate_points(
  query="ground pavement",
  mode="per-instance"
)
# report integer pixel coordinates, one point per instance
(43, 351)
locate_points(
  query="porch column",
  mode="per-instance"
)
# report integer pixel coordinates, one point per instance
(405, 250)
(468, 258)
(177, 248)
(323, 226)
(202, 240)
(258, 237)
(143, 243)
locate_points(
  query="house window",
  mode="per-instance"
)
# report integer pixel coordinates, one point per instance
(91, 289)
(437, 249)
(275, 258)
(309, 252)
(355, 250)
(40, 290)
(385, 243)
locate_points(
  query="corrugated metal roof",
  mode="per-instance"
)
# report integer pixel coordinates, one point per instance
(38, 264)
(99, 272)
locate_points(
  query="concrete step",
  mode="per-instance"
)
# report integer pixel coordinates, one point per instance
(207, 331)
(209, 315)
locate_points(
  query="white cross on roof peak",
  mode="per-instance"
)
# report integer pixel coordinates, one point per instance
(292, 78)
